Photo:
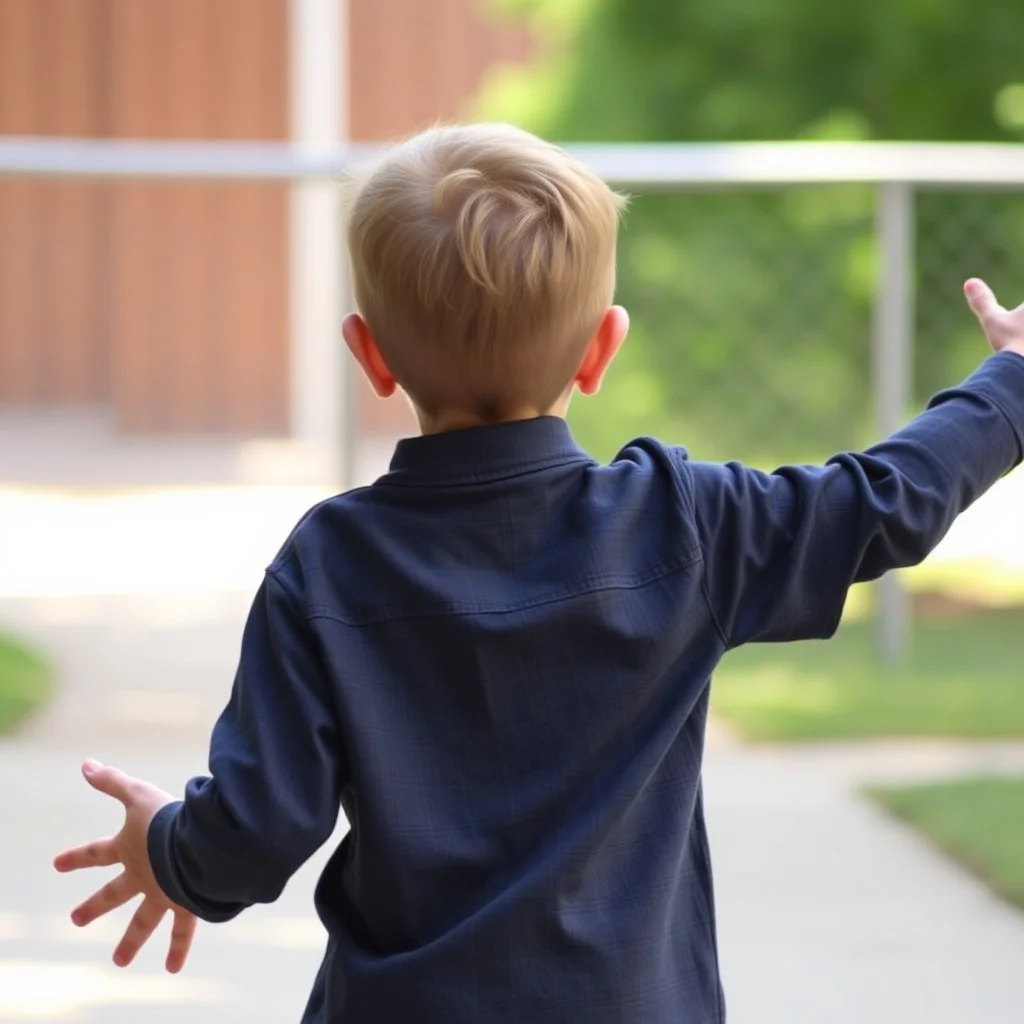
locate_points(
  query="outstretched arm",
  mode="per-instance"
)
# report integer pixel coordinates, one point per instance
(782, 549)
(273, 794)
(271, 799)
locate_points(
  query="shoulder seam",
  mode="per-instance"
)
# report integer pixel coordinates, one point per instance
(286, 553)
(690, 503)
(272, 573)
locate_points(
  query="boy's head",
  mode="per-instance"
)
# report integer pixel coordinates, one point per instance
(483, 265)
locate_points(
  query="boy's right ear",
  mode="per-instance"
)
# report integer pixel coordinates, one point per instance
(362, 344)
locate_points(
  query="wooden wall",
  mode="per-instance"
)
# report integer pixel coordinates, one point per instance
(169, 301)
(417, 61)
(165, 300)
(53, 238)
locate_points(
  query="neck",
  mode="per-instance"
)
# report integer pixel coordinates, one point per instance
(455, 419)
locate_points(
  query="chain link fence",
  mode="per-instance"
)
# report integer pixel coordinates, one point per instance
(754, 312)
(752, 319)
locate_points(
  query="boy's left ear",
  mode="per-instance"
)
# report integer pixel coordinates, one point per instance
(362, 344)
(604, 345)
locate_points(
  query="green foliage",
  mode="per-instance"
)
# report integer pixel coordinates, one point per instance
(740, 69)
(25, 683)
(979, 822)
(962, 678)
(752, 310)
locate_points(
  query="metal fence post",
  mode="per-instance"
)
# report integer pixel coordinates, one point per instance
(319, 387)
(350, 391)
(893, 351)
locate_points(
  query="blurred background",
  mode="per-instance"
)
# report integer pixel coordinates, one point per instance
(173, 397)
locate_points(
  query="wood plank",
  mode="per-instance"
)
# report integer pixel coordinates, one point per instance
(70, 342)
(134, 271)
(251, 338)
(414, 63)
(20, 205)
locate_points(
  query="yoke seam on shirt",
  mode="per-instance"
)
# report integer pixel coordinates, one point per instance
(321, 612)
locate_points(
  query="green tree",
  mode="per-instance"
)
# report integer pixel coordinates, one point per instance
(752, 310)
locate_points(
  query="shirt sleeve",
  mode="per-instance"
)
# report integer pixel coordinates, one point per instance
(782, 549)
(273, 794)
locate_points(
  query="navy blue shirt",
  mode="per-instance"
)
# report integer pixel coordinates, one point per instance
(496, 661)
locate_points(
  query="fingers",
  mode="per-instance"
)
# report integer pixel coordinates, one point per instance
(182, 933)
(109, 780)
(113, 895)
(1003, 329)
(982, 301)
(98, 854)
(139, 931)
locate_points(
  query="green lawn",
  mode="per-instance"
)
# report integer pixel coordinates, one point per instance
(978, 822)
(25, 683)
(964, 677)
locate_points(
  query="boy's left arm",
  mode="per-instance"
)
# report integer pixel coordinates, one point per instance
(273, 794)
(274, 790)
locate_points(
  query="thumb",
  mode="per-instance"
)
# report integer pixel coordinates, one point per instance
(982, 301)
(108, 780)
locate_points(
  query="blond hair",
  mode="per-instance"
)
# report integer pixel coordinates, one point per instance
(483, 260)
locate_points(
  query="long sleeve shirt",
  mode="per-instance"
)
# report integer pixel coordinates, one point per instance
(496, 661)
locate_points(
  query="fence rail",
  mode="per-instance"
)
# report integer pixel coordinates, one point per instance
(647, 167)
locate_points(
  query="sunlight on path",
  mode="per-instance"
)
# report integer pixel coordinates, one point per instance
(33, 990)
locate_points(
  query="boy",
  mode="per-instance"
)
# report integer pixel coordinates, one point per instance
(497, 658)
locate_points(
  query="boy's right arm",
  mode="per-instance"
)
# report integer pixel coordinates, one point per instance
(781, 550)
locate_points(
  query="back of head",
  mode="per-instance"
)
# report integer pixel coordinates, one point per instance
(483, 259)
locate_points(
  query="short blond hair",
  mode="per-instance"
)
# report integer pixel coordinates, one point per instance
(483, 259)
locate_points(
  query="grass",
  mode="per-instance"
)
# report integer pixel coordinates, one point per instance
(978, 822)
(25, 683)
(962, 679)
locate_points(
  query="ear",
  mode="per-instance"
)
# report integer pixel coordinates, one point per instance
(606, 342)
(363, 346)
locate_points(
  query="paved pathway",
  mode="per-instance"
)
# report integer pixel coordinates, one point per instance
(828, 911)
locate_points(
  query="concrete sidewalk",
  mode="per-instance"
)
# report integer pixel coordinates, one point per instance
(830, 912)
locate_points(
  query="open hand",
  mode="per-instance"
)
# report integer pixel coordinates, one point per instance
(129, 849)
(1004, 328)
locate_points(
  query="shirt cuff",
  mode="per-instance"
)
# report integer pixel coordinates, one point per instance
(164, 863)
(1000, 379)
(159, 843)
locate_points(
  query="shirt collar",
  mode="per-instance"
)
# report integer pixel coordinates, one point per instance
(484, 453)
